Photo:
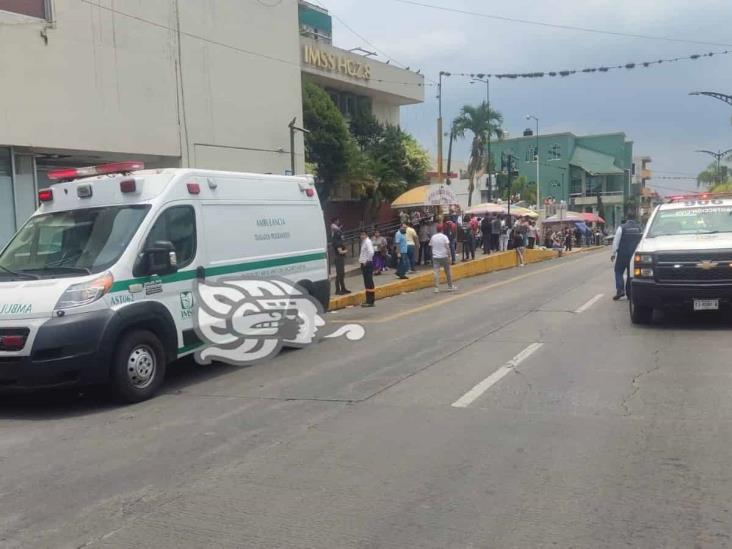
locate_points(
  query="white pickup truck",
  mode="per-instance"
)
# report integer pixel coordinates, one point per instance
(684, 258)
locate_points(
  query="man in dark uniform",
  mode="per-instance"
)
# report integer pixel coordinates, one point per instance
(340, 250)
(627, 238)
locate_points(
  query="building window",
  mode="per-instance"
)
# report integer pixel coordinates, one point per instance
(350, 104)
(530, 154)
(31, 8)
(555, 152)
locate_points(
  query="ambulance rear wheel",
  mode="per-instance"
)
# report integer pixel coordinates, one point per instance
(139, 366)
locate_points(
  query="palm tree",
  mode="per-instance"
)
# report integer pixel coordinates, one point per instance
(482, 122)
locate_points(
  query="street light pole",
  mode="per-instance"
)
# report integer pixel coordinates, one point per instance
(538, 187)
(718, 156)
(721, 96)
(487, 81)
(440, 173)
(293, 129)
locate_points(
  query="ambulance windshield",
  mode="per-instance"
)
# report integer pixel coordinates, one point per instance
(71, 243)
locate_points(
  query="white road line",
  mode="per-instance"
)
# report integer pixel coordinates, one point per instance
(475, 393)
(589, 304)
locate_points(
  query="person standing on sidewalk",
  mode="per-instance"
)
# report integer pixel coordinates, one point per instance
(339, 248)
(533, 235)
(380, 252)
(519, 243)
(473, 228)
(503, 237)
(424, 243)
(441, 256)
(485, 231)
(366, 260)
(495, 233)
(626, 240)
(412, 244)
(402, 249)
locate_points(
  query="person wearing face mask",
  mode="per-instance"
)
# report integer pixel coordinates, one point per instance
(402, 247)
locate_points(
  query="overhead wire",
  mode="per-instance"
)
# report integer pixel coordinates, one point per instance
(557, 26)
(398, 63)
(590, 70)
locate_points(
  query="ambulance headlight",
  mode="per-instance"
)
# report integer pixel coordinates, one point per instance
(643, 259)
(85, 293)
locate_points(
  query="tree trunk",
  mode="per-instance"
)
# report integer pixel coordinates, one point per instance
(471, 188)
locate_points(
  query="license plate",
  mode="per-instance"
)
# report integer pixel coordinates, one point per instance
(706, 304)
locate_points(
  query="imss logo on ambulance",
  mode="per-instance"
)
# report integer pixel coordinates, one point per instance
(243, 321)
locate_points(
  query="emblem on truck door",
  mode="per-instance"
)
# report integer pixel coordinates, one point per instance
(243, 321)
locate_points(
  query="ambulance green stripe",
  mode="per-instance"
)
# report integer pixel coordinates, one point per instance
(124, 285)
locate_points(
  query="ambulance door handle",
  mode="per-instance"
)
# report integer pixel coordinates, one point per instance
(201, 273)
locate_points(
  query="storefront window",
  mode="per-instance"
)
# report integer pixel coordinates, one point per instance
(32, 8)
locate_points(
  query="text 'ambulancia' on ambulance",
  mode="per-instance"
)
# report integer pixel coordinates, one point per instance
(97, 286)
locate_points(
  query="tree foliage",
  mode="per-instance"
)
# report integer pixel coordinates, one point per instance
(482, 122)
(329, 145)
(715, 180)
(377, 161)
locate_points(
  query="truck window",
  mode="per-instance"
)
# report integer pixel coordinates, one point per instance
(73, 242)
(704, 220)
(178, 226)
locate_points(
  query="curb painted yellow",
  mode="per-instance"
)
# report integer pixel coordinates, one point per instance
(483, 265)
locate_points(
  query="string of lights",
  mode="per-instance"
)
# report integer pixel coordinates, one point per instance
(590, 70)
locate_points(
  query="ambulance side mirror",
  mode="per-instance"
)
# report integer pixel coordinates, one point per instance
(158, 259)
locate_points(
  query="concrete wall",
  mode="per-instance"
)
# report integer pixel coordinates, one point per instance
(105, 81)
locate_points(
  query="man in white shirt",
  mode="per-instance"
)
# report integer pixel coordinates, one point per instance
(366, 259)
(441, 257)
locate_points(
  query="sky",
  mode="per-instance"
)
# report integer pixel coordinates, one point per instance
(651, 105)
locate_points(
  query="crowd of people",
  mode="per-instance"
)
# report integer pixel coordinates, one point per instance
(568, 238)
(426, 238)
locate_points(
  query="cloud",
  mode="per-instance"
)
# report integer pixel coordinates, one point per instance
(427, 45)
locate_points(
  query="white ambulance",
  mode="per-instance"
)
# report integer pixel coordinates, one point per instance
(96, 288)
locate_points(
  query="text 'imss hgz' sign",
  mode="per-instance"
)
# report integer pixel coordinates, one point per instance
(336, 63)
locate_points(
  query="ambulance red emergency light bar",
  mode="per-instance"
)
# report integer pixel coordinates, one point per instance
(68, 174)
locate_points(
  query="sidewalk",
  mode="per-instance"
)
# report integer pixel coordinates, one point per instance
(387, 284)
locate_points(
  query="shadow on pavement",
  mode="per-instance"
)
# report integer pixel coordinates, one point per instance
(66, 403)
(684, 320)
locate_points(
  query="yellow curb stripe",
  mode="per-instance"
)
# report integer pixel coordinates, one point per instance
(491, 263)
(461, 295)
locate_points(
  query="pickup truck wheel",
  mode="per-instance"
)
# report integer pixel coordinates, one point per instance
(138, 369)
(638, 314)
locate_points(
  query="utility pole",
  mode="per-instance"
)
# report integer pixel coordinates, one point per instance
(293, 129)
(449, 155)
(440, 174)
(718, 156)
(538, 187)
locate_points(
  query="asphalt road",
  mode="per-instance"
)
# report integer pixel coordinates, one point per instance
(522, 411)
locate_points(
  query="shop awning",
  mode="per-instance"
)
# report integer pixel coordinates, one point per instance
(426, 195)
(595, 163)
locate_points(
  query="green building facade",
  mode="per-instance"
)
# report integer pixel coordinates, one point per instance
(588, 173)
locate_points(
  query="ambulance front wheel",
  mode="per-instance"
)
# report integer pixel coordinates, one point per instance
(139, 366)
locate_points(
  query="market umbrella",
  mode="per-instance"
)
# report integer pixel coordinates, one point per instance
(592, 218)
(487, 208)
(566, 217)
(523, 212)
(426, 195)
